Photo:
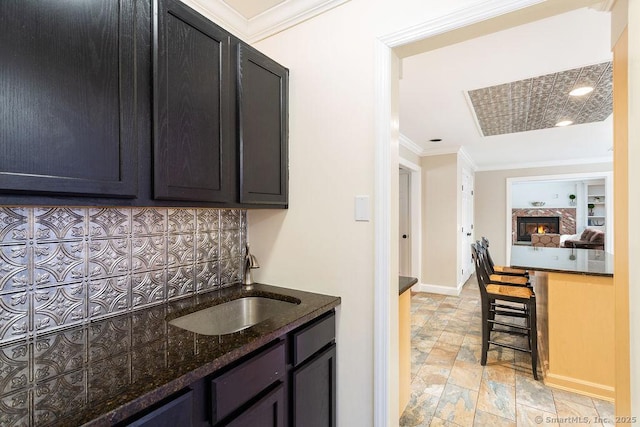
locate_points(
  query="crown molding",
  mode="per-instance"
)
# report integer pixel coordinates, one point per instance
(457, 19)
(551, 163)
(411, 146)
(604, 6)
(438, 151)
(465, 155)
(222, 14)
(286, 15)
(272, 21)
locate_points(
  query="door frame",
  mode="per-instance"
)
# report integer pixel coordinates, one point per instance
(415, 207)
(386, 67)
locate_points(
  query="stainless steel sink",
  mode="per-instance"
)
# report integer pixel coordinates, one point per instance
(232, 316)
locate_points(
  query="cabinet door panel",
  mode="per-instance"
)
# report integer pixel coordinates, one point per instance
(193, 147)
(314, 391)
(263, 117)
(67, 97)
(266, 412)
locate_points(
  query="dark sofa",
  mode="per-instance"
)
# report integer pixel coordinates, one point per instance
(589, 239)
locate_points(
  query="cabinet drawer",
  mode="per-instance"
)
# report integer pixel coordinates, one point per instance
(176, 411)
(234, 388)
(313, 337)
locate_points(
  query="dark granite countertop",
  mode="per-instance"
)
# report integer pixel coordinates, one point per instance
(563, 260)
(103, 372)
(406, 283)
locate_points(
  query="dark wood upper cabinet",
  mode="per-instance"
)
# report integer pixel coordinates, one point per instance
(262, 99)
(68, 82)
(136, 102)
(194, 147)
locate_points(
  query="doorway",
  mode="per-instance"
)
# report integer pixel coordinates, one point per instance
(410, 220)
(404, 222)
(465, 23)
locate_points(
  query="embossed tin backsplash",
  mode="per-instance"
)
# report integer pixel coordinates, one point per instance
(66, 266)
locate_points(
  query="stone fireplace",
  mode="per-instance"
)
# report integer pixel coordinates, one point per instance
(528, 225)
(565, 217)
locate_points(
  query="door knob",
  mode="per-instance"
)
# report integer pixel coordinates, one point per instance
(469, 234)
(404, 236)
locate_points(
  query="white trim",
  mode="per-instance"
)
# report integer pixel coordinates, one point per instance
(438, 289)
(415, 189)
(222, 14)
(286, 15)
(550, 163)
(382, 236)
(447, 149)
(272, 21)
(461, 18)
(411, 146)
(472, 165)
(472, 111)
(604, 6)
(382, 227)
(409, 164)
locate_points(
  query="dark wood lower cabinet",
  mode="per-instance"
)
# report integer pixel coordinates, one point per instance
(176, 412)
(241, 384)
(267, 412)
(313, 391)
(290, 382)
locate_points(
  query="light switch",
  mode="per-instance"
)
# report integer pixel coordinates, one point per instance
(362, 208)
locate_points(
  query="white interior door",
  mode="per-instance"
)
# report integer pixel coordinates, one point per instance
(466, 232)
(405, 223)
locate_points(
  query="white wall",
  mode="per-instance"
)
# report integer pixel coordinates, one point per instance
(316, 245)
(553, 194)
(439, 223)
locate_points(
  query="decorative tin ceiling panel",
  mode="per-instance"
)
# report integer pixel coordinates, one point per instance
(541, 102)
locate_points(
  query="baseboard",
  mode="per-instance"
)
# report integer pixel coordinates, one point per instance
(438, 289)
(600, 391)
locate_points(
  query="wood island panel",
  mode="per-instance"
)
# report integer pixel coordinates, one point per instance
(404, 321)
(577, 332)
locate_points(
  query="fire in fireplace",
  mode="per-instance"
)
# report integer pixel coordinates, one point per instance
(528, 225)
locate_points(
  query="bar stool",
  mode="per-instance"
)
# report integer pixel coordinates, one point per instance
(499, 299)
(508, 275)
(500, 269)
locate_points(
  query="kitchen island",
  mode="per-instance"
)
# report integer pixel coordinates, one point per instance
(404, 337)
(575, 310)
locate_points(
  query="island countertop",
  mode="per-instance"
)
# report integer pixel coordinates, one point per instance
(589, 262)
(406, 283)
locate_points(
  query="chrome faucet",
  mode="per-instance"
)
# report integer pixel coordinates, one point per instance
(250, 262)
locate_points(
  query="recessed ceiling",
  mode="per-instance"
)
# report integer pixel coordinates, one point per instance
(251, 8)
(543, 102)
(433, 98)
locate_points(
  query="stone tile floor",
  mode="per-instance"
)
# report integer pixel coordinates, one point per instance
(451, 388)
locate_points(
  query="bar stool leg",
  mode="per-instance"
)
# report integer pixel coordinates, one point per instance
(486, 332)
(533, 337)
